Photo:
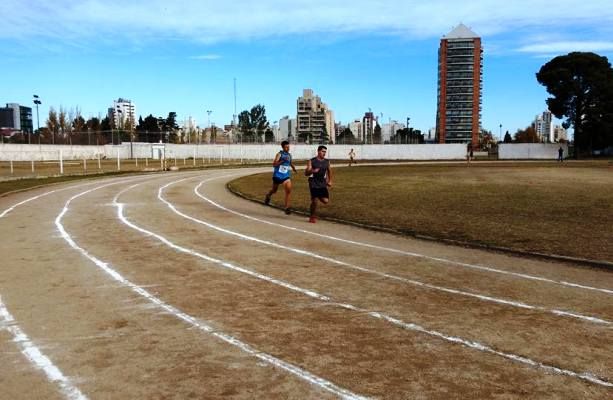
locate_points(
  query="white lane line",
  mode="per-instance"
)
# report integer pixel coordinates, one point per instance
(307, 253)
(405, 325)
(29, 350)
(36, 357)
(293, 369)
(407, 253)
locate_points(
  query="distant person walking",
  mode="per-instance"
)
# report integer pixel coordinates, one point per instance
(352, 157)
(560, 154)
(281, 175)
(469, 153)
(319, 172)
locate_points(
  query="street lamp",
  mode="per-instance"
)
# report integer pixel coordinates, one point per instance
(500, 133)
(208, 122)
(37, 102)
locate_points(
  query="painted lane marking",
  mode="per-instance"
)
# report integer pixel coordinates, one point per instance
(307, 253)
(407, 253)
(395, 321)
(293, 369)
(36, 357)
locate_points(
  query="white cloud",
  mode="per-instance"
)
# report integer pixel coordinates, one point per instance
(215, 21)
(206, 57)
(566, 47)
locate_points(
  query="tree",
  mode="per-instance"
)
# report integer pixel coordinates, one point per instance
(170, 125)
(508, 138)
(408, 136)
(245, 126)
(52, 124)
(377, 137)
(345, 137)
(325, 138)
(581, 85)
(78, 123)
(269, 136)
(62, 122)
(527, 135)
(253, 124)
(259, 120)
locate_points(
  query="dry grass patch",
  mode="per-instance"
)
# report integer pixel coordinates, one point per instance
(538, 207)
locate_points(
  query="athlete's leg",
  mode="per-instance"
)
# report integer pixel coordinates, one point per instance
(287, 185)
(275, 186)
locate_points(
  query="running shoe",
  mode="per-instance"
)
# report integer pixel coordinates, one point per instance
(312, 220)
(267, 199)
(288, 211)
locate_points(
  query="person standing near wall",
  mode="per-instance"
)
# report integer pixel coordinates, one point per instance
(560, 154)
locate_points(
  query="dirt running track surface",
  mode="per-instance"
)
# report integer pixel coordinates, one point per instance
(161, 286)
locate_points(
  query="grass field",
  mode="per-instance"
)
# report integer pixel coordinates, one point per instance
(537, 207)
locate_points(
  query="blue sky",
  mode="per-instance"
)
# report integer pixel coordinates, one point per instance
(355, 54)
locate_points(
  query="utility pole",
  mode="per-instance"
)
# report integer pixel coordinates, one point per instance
(37, 102)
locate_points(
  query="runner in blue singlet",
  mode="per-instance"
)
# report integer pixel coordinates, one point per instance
(282, 175)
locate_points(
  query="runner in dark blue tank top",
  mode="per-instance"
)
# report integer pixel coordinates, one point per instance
(319, 172)
(282, 175)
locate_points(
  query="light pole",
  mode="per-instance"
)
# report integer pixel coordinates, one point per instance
(208, 122)
(37, 102)
(500, 133)
(408, 131)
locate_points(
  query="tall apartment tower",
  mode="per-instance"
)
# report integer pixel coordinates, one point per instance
(460, 65)
(544, 127)
(312, 117)
(123, 113)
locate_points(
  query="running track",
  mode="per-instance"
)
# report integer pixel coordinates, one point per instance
(168, 286)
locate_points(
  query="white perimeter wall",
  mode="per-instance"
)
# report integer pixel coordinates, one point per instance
(533, 151)
(25, 152)
(507, 151)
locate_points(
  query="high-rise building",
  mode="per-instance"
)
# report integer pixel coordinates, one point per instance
(559, 134)
(368, 125)
(389, 130)
(287, 128)
(357, 129)
(123, 113)
(16, 118)
(544, 128)
(314, 118)
(460, 64)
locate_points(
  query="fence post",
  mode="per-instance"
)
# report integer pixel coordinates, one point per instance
(146, 161)
(99, 166)
(136, 161)
(61, 163)
(194, 157)
(221, 156)
(118, 162)
(11, 167)
(32, 165)
(85, 164)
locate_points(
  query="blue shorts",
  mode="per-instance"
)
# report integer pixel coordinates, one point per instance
(279, 181)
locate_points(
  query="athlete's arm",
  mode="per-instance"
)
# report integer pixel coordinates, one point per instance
(277, 160)
(308, 170)
(293, 167)
(329, 175)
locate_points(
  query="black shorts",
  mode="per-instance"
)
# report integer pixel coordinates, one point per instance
(319, 193)
(279, 181)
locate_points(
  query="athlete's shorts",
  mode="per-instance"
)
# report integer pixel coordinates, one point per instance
(279, 181)
(319, 193)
